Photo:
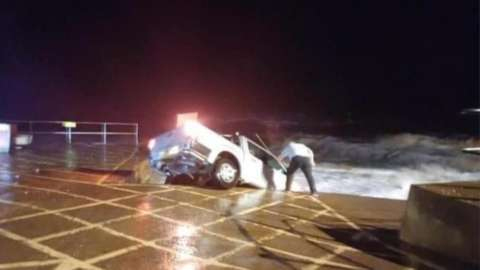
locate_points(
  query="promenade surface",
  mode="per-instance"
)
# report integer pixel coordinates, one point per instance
(78, 207)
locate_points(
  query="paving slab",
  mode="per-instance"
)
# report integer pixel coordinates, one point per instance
(99, 213)
(88, 243)
(296, 212)
(146, 202)
(181, 196)
(268, 219)
(299, 245)
(264, 259)
(145, 227)
(149, 258)
(40, 225)
(189, 214)
(241, 230)
(144, 188)
(15, 251)
(198, 244)
(8, 210)
(41, 267)
(366, 261)
(41, 198)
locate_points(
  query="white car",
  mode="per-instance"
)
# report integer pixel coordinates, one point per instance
(204, 155)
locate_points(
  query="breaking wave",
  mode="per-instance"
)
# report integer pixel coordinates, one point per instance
(386, 167)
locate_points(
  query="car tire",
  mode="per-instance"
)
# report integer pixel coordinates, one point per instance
(225, 173)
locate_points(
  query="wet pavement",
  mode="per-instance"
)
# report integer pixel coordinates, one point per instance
(78, 207)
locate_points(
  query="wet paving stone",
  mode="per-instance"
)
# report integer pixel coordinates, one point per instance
(191, 242)
(296, 212)
(40, 225)
(269, 220)
(41, 267)
(144, 189)
(71, 175)
(216, 193)
(241, 230)
(146, 202)
(9, 211)
(99, 213)
(259, 258)
(181, 196)
(40, 198)
(189, 215)
(216, 267)
(149, 258)
(329, 221)
(255, 198)
(87, 190)
(328, 266)
(145, 227)
(88, 244)
(15, 251)
(223, 206)
(365, 261)
(236, 203)
(308, 229)
(298, 245)
(307, 203)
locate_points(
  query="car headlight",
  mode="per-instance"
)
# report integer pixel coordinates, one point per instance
(151, 144)
(174, 150)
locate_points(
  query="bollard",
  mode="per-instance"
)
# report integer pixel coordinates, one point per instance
(5, 138)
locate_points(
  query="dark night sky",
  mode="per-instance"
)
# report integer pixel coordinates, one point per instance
(410, 61)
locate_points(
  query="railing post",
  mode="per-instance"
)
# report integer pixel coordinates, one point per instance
(136, 134)
(69, 135)
(30, 127)
(104, 130)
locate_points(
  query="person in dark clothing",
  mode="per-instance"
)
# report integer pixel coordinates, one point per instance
(302, 163)
(300, 157)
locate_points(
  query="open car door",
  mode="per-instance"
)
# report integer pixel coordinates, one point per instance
(273, 171)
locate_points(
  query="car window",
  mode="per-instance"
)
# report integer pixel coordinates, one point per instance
(232, 138)
(256, 151)
(274, 163)
(264, 156)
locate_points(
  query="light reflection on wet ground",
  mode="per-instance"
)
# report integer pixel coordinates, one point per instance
(77, 207)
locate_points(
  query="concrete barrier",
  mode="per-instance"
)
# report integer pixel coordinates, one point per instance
(5, 137)
(23, 139)
(444, 218)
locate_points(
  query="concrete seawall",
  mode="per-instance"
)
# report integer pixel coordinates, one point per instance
(444, 218)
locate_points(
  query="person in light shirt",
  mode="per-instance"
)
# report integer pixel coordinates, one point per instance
(300, 157)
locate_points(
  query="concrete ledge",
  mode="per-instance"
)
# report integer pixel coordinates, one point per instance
(23, 139)
(444, 218)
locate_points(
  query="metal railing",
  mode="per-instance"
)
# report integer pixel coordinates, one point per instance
(60, 128)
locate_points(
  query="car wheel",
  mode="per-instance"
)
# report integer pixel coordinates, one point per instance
(225, 173)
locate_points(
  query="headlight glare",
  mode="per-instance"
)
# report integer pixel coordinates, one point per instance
(191, 129)
(174, 150)
(151, 144)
